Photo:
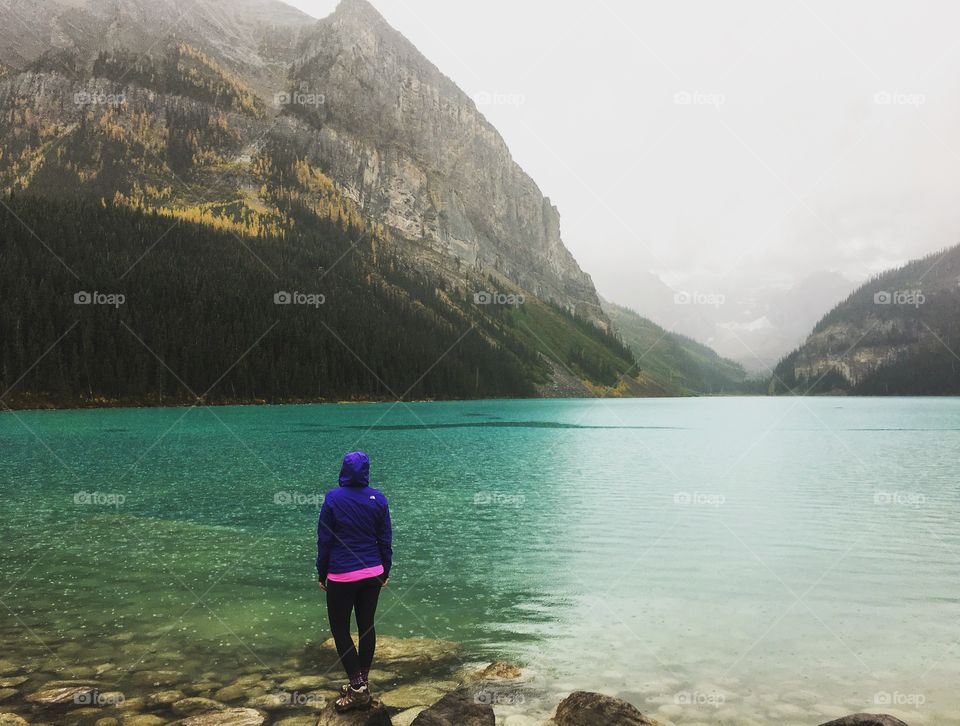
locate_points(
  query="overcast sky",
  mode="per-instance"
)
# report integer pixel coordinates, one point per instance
(709, 142)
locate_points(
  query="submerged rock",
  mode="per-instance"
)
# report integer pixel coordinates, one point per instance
(9, 668)
(164, 698)
(229, 717)
(231, 693)
(61, 696)
(143, 719)
(407, 649)
(12, 719)
(13, 681)
(305, 683)
(866, 719)
(191, 706)
(376, 715)
(6, 693)
(582, 708)
(157, 678)
(459, 708)
(499, 671)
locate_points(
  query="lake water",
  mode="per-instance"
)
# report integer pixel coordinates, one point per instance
(711, 560)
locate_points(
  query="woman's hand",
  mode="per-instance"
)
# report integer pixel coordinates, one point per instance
(383, 583)
(323, 585)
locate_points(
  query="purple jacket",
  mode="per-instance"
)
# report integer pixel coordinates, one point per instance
(354, 530)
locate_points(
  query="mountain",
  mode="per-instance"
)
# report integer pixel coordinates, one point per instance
(332, 140)
(899, 334)
(412, 150)
(257, 39)
(670, 364)
(753, 325)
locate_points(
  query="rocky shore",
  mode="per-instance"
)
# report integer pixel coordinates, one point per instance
(417, 682)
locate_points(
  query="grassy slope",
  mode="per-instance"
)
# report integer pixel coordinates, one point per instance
(672, 363)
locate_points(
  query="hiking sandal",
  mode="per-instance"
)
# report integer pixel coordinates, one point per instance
(353, 699)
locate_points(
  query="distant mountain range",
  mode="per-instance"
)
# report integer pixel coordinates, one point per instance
(753, 325)
(898, 334)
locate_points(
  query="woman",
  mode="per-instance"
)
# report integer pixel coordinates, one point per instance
(354, 556)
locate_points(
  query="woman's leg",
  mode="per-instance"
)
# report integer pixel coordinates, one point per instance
(368, 595)
(340, 603)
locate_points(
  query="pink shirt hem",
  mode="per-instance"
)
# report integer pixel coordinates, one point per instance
(356, 574)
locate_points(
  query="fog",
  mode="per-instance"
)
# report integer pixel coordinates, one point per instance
(731, 148)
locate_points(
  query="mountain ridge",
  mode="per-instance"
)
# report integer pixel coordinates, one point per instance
(898, 334)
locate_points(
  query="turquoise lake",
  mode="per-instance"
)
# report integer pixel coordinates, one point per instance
(734, 560)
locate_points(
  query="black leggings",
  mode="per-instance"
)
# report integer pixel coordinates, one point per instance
(342, 599)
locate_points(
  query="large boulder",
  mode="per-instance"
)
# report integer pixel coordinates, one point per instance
(582, 708)
(376, 715)
(459, 708)
(866, 719)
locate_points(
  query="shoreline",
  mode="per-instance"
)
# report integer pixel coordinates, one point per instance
(410, 677)
(19, 405)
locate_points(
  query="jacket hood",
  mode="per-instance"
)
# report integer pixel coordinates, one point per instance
(355, 471)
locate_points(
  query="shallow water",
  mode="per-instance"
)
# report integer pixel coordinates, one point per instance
(712, 560)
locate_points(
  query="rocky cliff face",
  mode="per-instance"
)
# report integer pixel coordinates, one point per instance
(413, 151)
(348, 93)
